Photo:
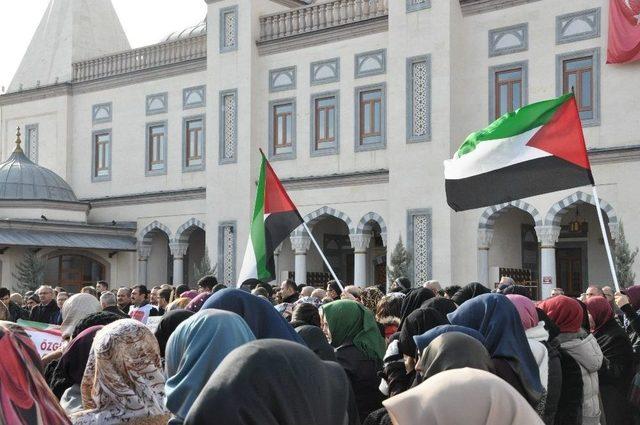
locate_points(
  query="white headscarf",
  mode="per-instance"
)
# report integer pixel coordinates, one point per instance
(76, 308)
(461, 396)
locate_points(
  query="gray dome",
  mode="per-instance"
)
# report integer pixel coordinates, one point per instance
(21, 179)
(193, 31)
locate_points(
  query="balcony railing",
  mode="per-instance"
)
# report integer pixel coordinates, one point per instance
(143, 58)
(319, 17)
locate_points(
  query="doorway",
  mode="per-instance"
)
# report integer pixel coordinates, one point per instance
(571, 267)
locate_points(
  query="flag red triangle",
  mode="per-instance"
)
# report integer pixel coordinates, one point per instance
(276, 198)
(562, 136)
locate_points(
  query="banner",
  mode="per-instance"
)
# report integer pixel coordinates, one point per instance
(47, 338)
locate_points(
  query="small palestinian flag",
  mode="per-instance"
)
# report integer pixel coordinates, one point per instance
(537, 149)
(274, 218)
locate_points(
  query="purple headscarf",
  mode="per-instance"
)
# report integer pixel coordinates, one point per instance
(196, 303)
(189, 294)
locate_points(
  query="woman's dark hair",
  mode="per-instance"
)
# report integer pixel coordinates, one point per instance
(332, 284)
(95, 319)
(389, 306)
(180, 289)
(218, 287)
(307, 313)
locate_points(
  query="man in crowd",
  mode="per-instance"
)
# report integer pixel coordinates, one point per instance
(90, 290)
(15, 311)
(61, 298)
(153, 296)
(109, 304)
(164, 298)
(289, 291)
(207, 283)
(102, 286)
(434, 285)
(557, 291)
(124, 299)
(306, 291)
(47, 310)
(593, 291)
(141, 309)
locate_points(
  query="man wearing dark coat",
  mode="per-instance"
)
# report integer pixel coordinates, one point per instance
(48, 309)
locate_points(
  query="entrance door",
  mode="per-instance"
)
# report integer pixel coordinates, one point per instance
(569, 270)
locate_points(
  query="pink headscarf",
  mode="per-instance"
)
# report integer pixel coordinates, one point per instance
(633, 292)
(189, 294)
(526, 310)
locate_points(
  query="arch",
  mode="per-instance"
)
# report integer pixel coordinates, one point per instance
(364, 225)
(491, 214)
(315, 216)
(559, 209)
(54, 253)
(145, 235)
(184, 231)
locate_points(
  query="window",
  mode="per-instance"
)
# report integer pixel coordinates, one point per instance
(282, 129)
(228, 29)
(415, 5)
(31, 142)
(102, 155)
(370, 113)
(193, 144)
(577, 76)
(324, 125)
(419, 99)
(156, 148)
(228, 126)
(508, 86)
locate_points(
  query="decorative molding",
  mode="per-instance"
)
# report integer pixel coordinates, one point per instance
(178, 250)
(335, 148)
(44, 204)
(325, 71)
(364, 225)
(507, 40)
(69, 227)
(485, 237)
(147, 198)
(147, 160)
(370, 63)
(227, 246)
(145, 235)
(282, 79)
(157, 103)
(560, 208)
(36, 93)
(419, 99)
(31, 142)
(228, 29)
(360, 242)
(577, 26)
(337, 180)
(491, 214)
(614, 154)
(494, 70)
(300, 243)
(415, 5)
(420, 244)
(382, 142)
(102, 113)
(473, 7)
(315, 216)
(271, 148)
(547, 235)
(194, 97)
(560, 90)
(184, 231)
(228, 127)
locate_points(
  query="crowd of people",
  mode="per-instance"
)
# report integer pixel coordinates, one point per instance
(291, 354)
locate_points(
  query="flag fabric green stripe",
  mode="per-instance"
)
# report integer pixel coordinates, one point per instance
(514, 123)
(257, 227)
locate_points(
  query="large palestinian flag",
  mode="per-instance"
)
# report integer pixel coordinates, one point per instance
(537, 149)
(274, 218)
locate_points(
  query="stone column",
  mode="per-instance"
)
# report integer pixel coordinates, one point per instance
(547, 236)
(143, 261)
(360, 243)
(276, 262)
(300, 244)
(485, 237)
(178, 250)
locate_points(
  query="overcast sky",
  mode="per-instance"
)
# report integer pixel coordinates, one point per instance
(144, 21)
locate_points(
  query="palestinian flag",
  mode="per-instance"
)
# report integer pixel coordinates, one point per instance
(274, 218)
(537, 149)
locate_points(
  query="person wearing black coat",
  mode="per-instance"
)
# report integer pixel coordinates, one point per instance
(47, 311)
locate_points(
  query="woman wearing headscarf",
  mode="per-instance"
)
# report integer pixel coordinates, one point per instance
(370, 297)
(414, 301)
(194, 351)
(191, 294)
(617, 367)
(25, 398)
(496, 318)
(468, 292)
(580, 393)
(123, 380)
(388, 312)
(423, 341)
(244, 390)
(629, 303)
(263, 320)
(546, 355)
(168, 325)
(316, 341)
(443, 305)
(76, 308)
(417, 323)
(461, 396)
(360, 348)
(196, 304)
(178, 304)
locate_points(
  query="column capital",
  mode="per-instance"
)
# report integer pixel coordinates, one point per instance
(485, 237)
(548, 235)
(300, 243)
(614, 230)
(144, 251)
(278, 250)
(178, 249)
(360, 242)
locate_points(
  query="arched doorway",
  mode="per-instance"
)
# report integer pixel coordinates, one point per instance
(73, 271)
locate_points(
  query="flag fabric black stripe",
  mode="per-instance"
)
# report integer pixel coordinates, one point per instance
(518, 181)
(277, 227)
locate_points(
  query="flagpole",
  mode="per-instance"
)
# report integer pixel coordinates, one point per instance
(323, 257)
(606, 239)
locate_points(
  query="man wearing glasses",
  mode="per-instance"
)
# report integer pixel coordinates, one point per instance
(15, 311)
(47, 310)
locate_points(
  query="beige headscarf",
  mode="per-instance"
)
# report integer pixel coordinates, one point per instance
(178, 303)
(76, 308)
(461, 396)
(123, 380)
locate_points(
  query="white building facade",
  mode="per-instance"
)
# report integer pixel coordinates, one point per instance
(357, 103)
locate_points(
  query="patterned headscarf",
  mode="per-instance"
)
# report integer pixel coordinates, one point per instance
(76, 308)
(370, 297)
(178, 304)
(123, 379)
(25, 397)
(196, 304)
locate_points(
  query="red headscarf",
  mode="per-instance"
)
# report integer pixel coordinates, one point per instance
(25, 397)
(633, 292)
(564, 311)
(600, 311)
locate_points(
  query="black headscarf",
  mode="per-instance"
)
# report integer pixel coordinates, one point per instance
(413, 301)
(168, 324)
(443, 305)
(418, 323)
(317, 342)
(469, 291)
(306, 390)
(517, 290)
(403, 284)
(549, 324)
(100, 318)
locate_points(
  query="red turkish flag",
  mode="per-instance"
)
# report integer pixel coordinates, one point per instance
(624, 31)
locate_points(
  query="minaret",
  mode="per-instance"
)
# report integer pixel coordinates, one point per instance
(70, 31)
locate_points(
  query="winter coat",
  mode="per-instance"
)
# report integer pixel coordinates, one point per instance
(587, 354)
(362, 373)
(548, 359)
(536, 336)
(632, 326)
(16, 312)
(45, 313)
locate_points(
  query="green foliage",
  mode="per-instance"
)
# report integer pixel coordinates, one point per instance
(202, 269)
(30, 272)
(624, 257)
(399, 262)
